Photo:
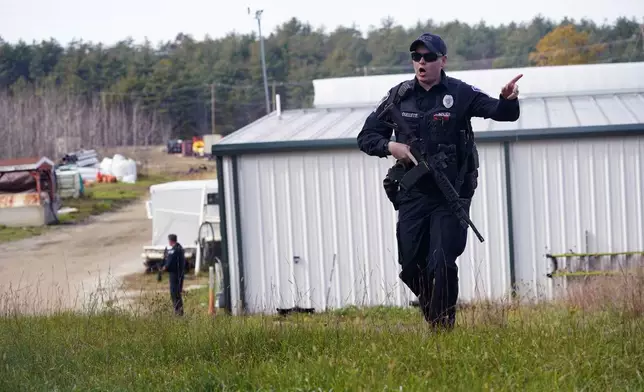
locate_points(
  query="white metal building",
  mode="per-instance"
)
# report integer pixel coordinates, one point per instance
(305, 221)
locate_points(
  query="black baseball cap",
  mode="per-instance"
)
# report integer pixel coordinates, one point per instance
(432, 42)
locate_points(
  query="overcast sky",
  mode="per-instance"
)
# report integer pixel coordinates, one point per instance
(108, 21)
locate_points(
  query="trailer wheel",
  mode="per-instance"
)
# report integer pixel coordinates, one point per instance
(190, 263)
(148, 266)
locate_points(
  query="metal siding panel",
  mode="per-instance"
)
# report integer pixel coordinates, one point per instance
(560, 112)
(329, 222)
(484, 268)
(231, 232)
(612, 107)
(322, 205)
(363, 227)
(346, 252)
(377, 221)
(311, 226)
(302, 264)
(633, 169)
(635, 105)
(523, 206)
(282, 235)
(351, 124)
(573, 196)
(256, 217)
(359, 214)
(267, 233)
(287, 131)
(533, 114)
(258, 129)
(600, 179)
(318, 128)
(585, 109)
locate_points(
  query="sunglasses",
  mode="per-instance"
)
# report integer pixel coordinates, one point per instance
(429, 57)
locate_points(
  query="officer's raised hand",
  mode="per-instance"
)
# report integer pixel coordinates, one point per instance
(511, 90)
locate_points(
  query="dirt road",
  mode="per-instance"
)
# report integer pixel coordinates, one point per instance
(74, 267)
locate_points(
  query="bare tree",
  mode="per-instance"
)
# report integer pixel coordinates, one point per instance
(35, 122)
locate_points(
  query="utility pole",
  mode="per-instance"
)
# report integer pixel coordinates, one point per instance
(212, 108)
(273, 95)
(258, 16)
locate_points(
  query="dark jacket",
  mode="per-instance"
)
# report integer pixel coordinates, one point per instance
(467, 102)
(175, 260)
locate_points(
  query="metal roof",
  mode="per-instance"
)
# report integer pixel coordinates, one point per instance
(541, 118)
(25, 164)
(536, 81)
(183, 185)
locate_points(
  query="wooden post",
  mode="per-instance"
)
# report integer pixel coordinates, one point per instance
(211, 290)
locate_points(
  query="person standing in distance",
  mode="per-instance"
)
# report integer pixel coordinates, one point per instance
(175, 265)
(438, 109)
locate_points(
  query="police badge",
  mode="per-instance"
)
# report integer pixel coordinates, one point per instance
(448, 101)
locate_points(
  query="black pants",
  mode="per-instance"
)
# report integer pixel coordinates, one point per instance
(176, 288)
(430, 239)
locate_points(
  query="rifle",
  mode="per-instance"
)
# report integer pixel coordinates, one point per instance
(431, 166)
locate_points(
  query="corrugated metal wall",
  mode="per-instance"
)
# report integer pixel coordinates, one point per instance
(580, 196)
(319, 231)
(230, 228)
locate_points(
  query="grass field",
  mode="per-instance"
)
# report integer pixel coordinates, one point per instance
(589, 342)
(145, 283)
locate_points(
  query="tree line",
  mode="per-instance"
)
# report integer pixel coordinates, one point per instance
(130, 94)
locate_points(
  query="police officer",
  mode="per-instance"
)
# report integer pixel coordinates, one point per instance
(438, 110)
(175, 265)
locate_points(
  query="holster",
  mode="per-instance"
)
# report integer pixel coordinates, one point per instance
(391, 182)
(468, 179)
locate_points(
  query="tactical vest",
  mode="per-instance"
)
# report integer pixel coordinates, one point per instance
(438, 131)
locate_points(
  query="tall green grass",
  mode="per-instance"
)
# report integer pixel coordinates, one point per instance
(592, 344)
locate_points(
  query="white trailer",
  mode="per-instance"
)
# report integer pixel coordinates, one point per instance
(190, 210)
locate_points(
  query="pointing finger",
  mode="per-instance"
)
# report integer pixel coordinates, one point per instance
(516, 78)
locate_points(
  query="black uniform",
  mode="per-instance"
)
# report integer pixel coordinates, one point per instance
(430, 238)
(175, 263)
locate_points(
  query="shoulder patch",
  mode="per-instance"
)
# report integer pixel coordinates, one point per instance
(478, 90)
(405, 87)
